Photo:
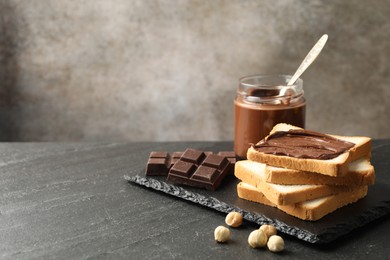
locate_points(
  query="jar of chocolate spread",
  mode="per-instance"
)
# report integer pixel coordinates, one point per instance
(261, 103)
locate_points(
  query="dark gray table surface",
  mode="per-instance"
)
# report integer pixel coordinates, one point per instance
(70, 201)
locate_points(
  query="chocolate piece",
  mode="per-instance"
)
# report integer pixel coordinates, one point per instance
(232, 158)
(197, 169)
(158, 164)
(175, 157)
(230, 155)
(193, 156)
(182, 168)
(303, 144)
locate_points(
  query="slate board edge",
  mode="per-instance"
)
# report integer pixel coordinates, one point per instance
(361, 220)
(223, 207)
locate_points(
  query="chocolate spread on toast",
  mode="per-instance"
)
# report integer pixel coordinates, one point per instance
(303, 144)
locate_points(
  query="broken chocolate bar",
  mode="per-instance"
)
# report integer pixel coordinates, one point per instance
(159, 163)
(195, 168)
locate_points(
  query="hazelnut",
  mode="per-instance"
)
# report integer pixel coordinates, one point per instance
(257, 238)
(234, 219)
(275, 244)
(269, 230)
(221, 234)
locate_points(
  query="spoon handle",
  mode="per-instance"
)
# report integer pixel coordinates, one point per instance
(310, 57)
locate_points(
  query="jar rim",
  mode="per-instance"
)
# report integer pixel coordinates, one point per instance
(267, 80)
(269, 89)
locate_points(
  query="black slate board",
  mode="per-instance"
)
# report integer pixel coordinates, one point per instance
(375, 205)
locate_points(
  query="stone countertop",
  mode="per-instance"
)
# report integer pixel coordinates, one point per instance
(71, 201)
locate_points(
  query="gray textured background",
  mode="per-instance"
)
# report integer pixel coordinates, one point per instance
(167, 70)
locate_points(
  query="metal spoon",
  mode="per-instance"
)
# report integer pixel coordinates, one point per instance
(310, 57)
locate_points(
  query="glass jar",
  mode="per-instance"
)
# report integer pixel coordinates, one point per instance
(261, 102)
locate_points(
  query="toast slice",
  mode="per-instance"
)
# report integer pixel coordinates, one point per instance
(337, 166)
(308, 210)
(360, 172)
(250, 173)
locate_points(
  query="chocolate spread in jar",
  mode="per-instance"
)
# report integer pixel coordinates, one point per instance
(303, 144)
(261, 103)
(254, 123)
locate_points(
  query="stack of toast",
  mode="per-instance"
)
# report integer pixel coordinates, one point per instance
(307, 188)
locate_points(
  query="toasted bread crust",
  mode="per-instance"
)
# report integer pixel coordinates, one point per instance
(354, 177)
(247, 172)
(309, 210)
